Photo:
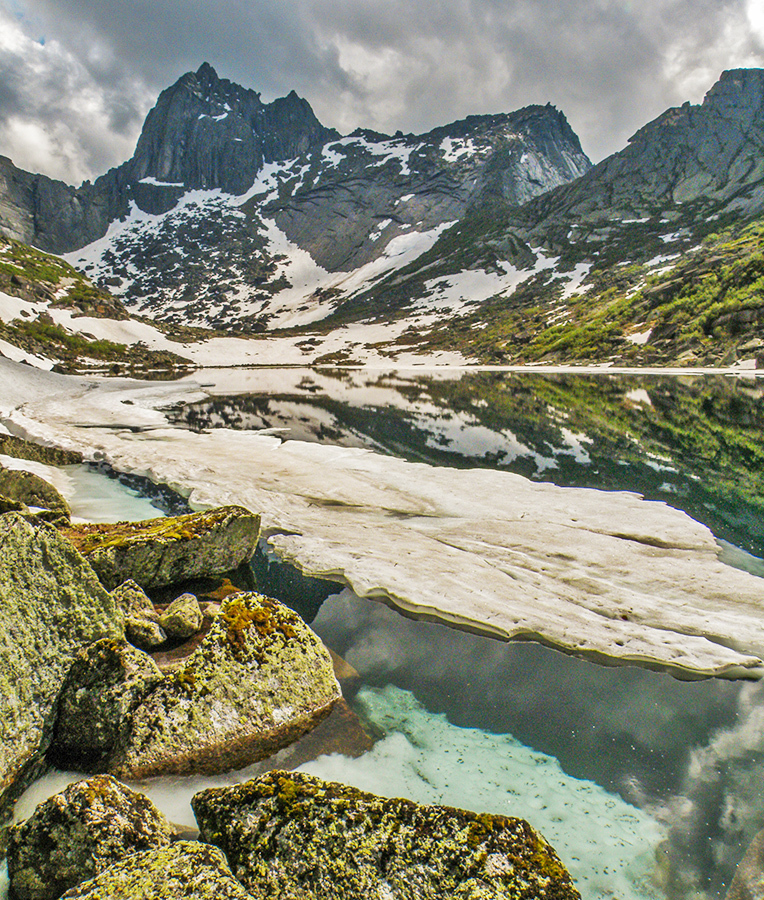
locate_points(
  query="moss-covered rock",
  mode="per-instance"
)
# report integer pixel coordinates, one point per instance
(187, 869)
(133, 601)
(166, 551)
(748, 883)
(258, 680)
(183, 618)
(144, 634)
(31, 490)
(294, 836)
(77, 834)
(105, 684)
(142, 626)
(51, 456)
(51, 605)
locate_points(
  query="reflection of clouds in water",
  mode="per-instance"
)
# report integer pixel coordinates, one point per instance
(690, 752)
(722, 804)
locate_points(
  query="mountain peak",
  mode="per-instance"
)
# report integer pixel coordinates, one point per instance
(205, 72)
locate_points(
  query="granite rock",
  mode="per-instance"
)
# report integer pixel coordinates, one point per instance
(165, 551)
(183, 618)
(294, 836)
(51, 605)
(105, 684)
(78, 833)
(257, 681)
(186, 869)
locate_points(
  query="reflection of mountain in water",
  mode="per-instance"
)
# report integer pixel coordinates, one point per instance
(691, 441)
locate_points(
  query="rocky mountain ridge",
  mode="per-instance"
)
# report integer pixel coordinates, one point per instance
(493, 236)
(218, 175)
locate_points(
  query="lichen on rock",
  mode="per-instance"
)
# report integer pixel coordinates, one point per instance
(295, 836)
(142, 626)
(78, 833)
(51, 605)
(258, 680)
(17, 447)
(165, 551)
(105, 684)
(186, 869)
(183, 618)
(32, 490)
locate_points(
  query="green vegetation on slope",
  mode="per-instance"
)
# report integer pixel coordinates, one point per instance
(40, 278)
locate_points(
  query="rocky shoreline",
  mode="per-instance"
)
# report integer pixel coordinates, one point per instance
(107, 672)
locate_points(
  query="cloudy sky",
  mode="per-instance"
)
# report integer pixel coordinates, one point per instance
(77, 77)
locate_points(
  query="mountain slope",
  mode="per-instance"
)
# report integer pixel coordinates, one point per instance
(650, 257)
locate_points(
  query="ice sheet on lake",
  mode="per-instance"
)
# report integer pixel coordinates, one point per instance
(593, 573)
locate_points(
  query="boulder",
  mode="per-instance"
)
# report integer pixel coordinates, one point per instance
(52, 456)
(186, 869)
(133, 601)
(51, 605)
(144, 634)
(257, 681)
(293, 836)
(165, 551)
(141, 619)
(105, 684)
(31, 490)
(748, 883)
(183, 618)
(78, 833)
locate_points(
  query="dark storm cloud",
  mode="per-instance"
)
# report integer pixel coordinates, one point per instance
(389, 64)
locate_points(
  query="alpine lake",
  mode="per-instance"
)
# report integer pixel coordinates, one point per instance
(647, 786)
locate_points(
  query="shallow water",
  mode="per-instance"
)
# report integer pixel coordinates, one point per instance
(95, 495)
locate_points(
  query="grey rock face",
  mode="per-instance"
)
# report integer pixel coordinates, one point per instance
(104, 686)
(259, 680)
(336, 211)
(186, 869)
(295, 836)
(712, 152)
(79, 833)
(51, 605)
(206, 132)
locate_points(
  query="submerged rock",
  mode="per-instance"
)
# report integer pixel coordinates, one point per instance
(186, 869)
(165, 551)
(295, 836)
(31, 490)
(51, 605)
(183, 618)
(77, 834)
(105, 684)
(258, 680)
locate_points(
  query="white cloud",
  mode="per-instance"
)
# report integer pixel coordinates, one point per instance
(54, 116)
